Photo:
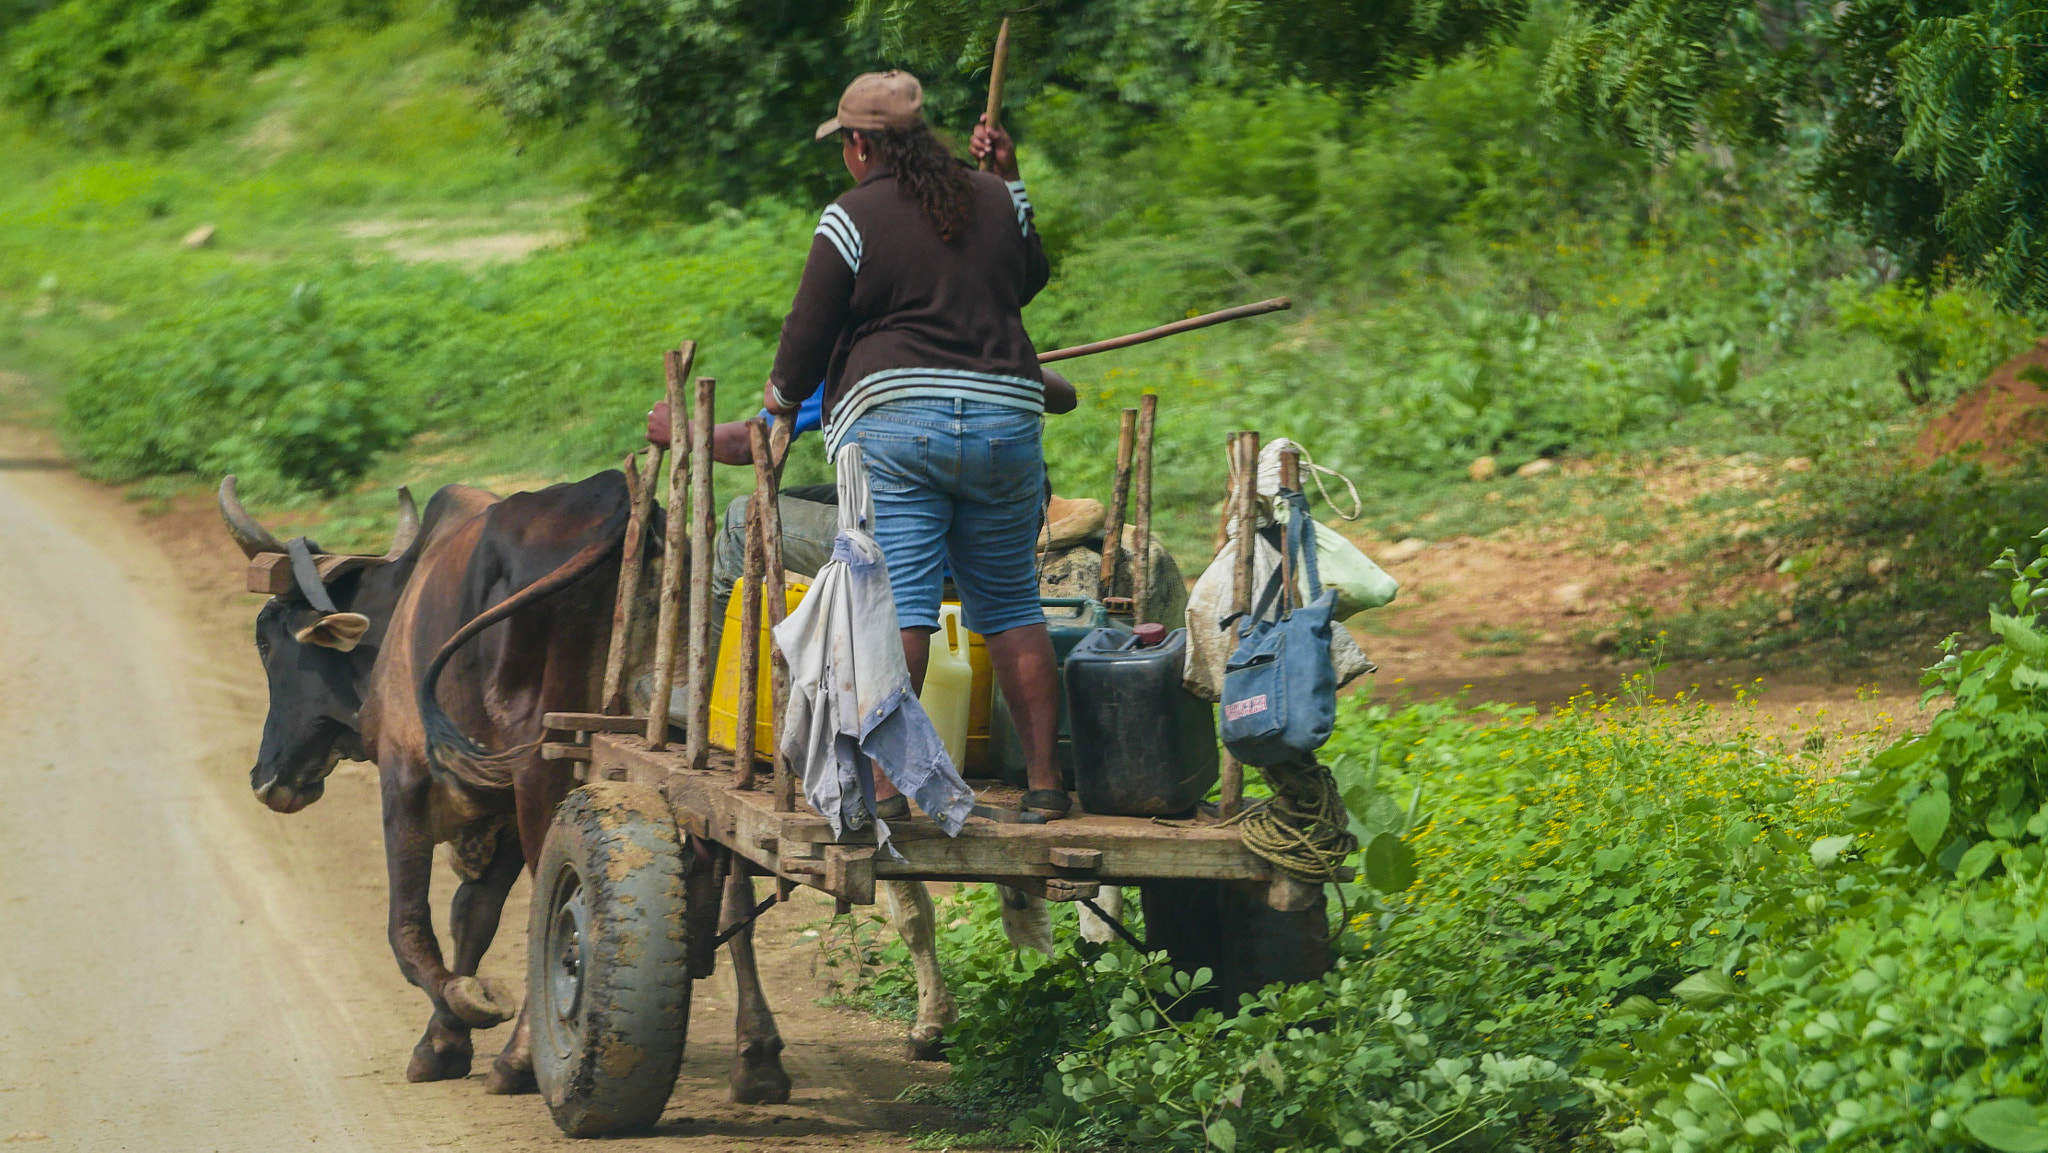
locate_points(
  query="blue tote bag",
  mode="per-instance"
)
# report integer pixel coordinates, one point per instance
(1279, 687)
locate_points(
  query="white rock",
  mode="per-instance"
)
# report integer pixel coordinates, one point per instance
(199, 237)
(1571, 598)
(1403, 550)
(1536, 467)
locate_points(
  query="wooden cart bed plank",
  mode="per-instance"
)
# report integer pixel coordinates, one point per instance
(801, 846)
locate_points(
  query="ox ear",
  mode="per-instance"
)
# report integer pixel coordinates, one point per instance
(340, 631)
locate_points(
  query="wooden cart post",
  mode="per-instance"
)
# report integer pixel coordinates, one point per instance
(640, 486)
(1290, 481)
(1245, 475)
(678, 363)
(748, 707)
(1119, 496)
(769, 449)
(1141, 495)
(703, 529)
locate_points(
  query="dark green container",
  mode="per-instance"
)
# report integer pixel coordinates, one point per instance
(1069, 620)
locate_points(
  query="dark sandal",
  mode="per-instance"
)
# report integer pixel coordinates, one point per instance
(894, 808)
(1051, 804)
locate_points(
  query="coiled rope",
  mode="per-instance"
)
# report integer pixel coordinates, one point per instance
(1303, 830)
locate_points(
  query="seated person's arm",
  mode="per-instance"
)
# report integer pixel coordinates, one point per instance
(729, 441)
(1059, 393)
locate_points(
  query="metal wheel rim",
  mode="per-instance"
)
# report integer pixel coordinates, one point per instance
(567, 959)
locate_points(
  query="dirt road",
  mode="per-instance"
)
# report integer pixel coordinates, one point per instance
(181, 969)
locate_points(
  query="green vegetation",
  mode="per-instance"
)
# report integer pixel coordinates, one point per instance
(1570, 872)
(1634, 923)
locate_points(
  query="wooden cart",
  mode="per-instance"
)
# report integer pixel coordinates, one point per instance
(626, 909)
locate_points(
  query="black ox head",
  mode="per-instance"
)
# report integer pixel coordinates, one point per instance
(317, 649)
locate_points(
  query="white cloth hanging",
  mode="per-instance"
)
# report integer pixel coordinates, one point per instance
(1210, 643)
(850, 698)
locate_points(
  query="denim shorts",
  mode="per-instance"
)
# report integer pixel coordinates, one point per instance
(958, 484)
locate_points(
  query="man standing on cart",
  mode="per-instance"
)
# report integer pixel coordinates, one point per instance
(908, 321)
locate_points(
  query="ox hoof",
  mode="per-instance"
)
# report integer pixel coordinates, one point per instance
(480, 1003)
(441, 1055)
(758, 1079)
(928, 1043)
(509, 1080)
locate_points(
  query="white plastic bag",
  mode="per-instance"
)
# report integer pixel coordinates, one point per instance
(1210, 643)
(1360, 583)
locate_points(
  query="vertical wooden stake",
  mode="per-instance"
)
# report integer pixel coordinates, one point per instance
(1141, 495)
(748, 708)
(1290, 481)
(1246, 476)
(640, 485)
(675, 545)
(1247, 515)
(703, 533)
(1119, 497)
(769, 449)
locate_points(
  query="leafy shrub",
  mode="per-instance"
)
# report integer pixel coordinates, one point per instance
(1899, 1004)
(112, 70)
(1570, 872)
(1339, 1064)
(1947, 336)
(230, 389)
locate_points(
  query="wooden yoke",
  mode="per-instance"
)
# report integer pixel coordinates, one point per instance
(678, 363)
(1141, 534)
(703, 531)
(1119, 497)
(769, 451)
(747, 709)
(640, 486)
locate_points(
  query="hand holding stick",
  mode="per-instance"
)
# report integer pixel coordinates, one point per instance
(991, 144)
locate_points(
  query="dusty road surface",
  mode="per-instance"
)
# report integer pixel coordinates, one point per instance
(181, 969)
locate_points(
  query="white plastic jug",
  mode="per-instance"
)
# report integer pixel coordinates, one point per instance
(949, 684)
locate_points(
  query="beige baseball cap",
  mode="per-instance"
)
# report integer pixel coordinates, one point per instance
(877, 100)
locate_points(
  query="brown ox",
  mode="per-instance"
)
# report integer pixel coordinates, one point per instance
(509, 602)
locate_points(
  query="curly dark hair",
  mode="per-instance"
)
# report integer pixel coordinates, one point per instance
(927, 172)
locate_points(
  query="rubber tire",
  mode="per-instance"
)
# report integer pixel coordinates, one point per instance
(608, 1064)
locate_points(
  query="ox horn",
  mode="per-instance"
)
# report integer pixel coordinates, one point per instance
(408, 526)
(253, 537)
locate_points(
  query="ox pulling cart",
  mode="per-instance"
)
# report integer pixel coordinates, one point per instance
(631, 893)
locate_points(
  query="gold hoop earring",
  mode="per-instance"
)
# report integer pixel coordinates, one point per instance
(863, 156)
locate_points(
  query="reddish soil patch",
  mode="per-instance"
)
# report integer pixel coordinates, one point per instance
(1998, 423)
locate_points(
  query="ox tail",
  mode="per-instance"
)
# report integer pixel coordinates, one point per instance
(452, 752)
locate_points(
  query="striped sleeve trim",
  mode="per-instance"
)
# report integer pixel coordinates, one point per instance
(930, 384)
(837, 227)
(1022, 200)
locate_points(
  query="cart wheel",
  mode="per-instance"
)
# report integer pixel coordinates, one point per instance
(605, 961)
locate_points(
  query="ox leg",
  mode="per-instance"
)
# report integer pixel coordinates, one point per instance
(757, 1075)
(473, 922)
(444, 1050)
(1027, 922)
(910, 910)
(460, 1002)
(1094, 928)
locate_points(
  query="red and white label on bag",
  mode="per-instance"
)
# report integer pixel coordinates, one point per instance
(1239, 710)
